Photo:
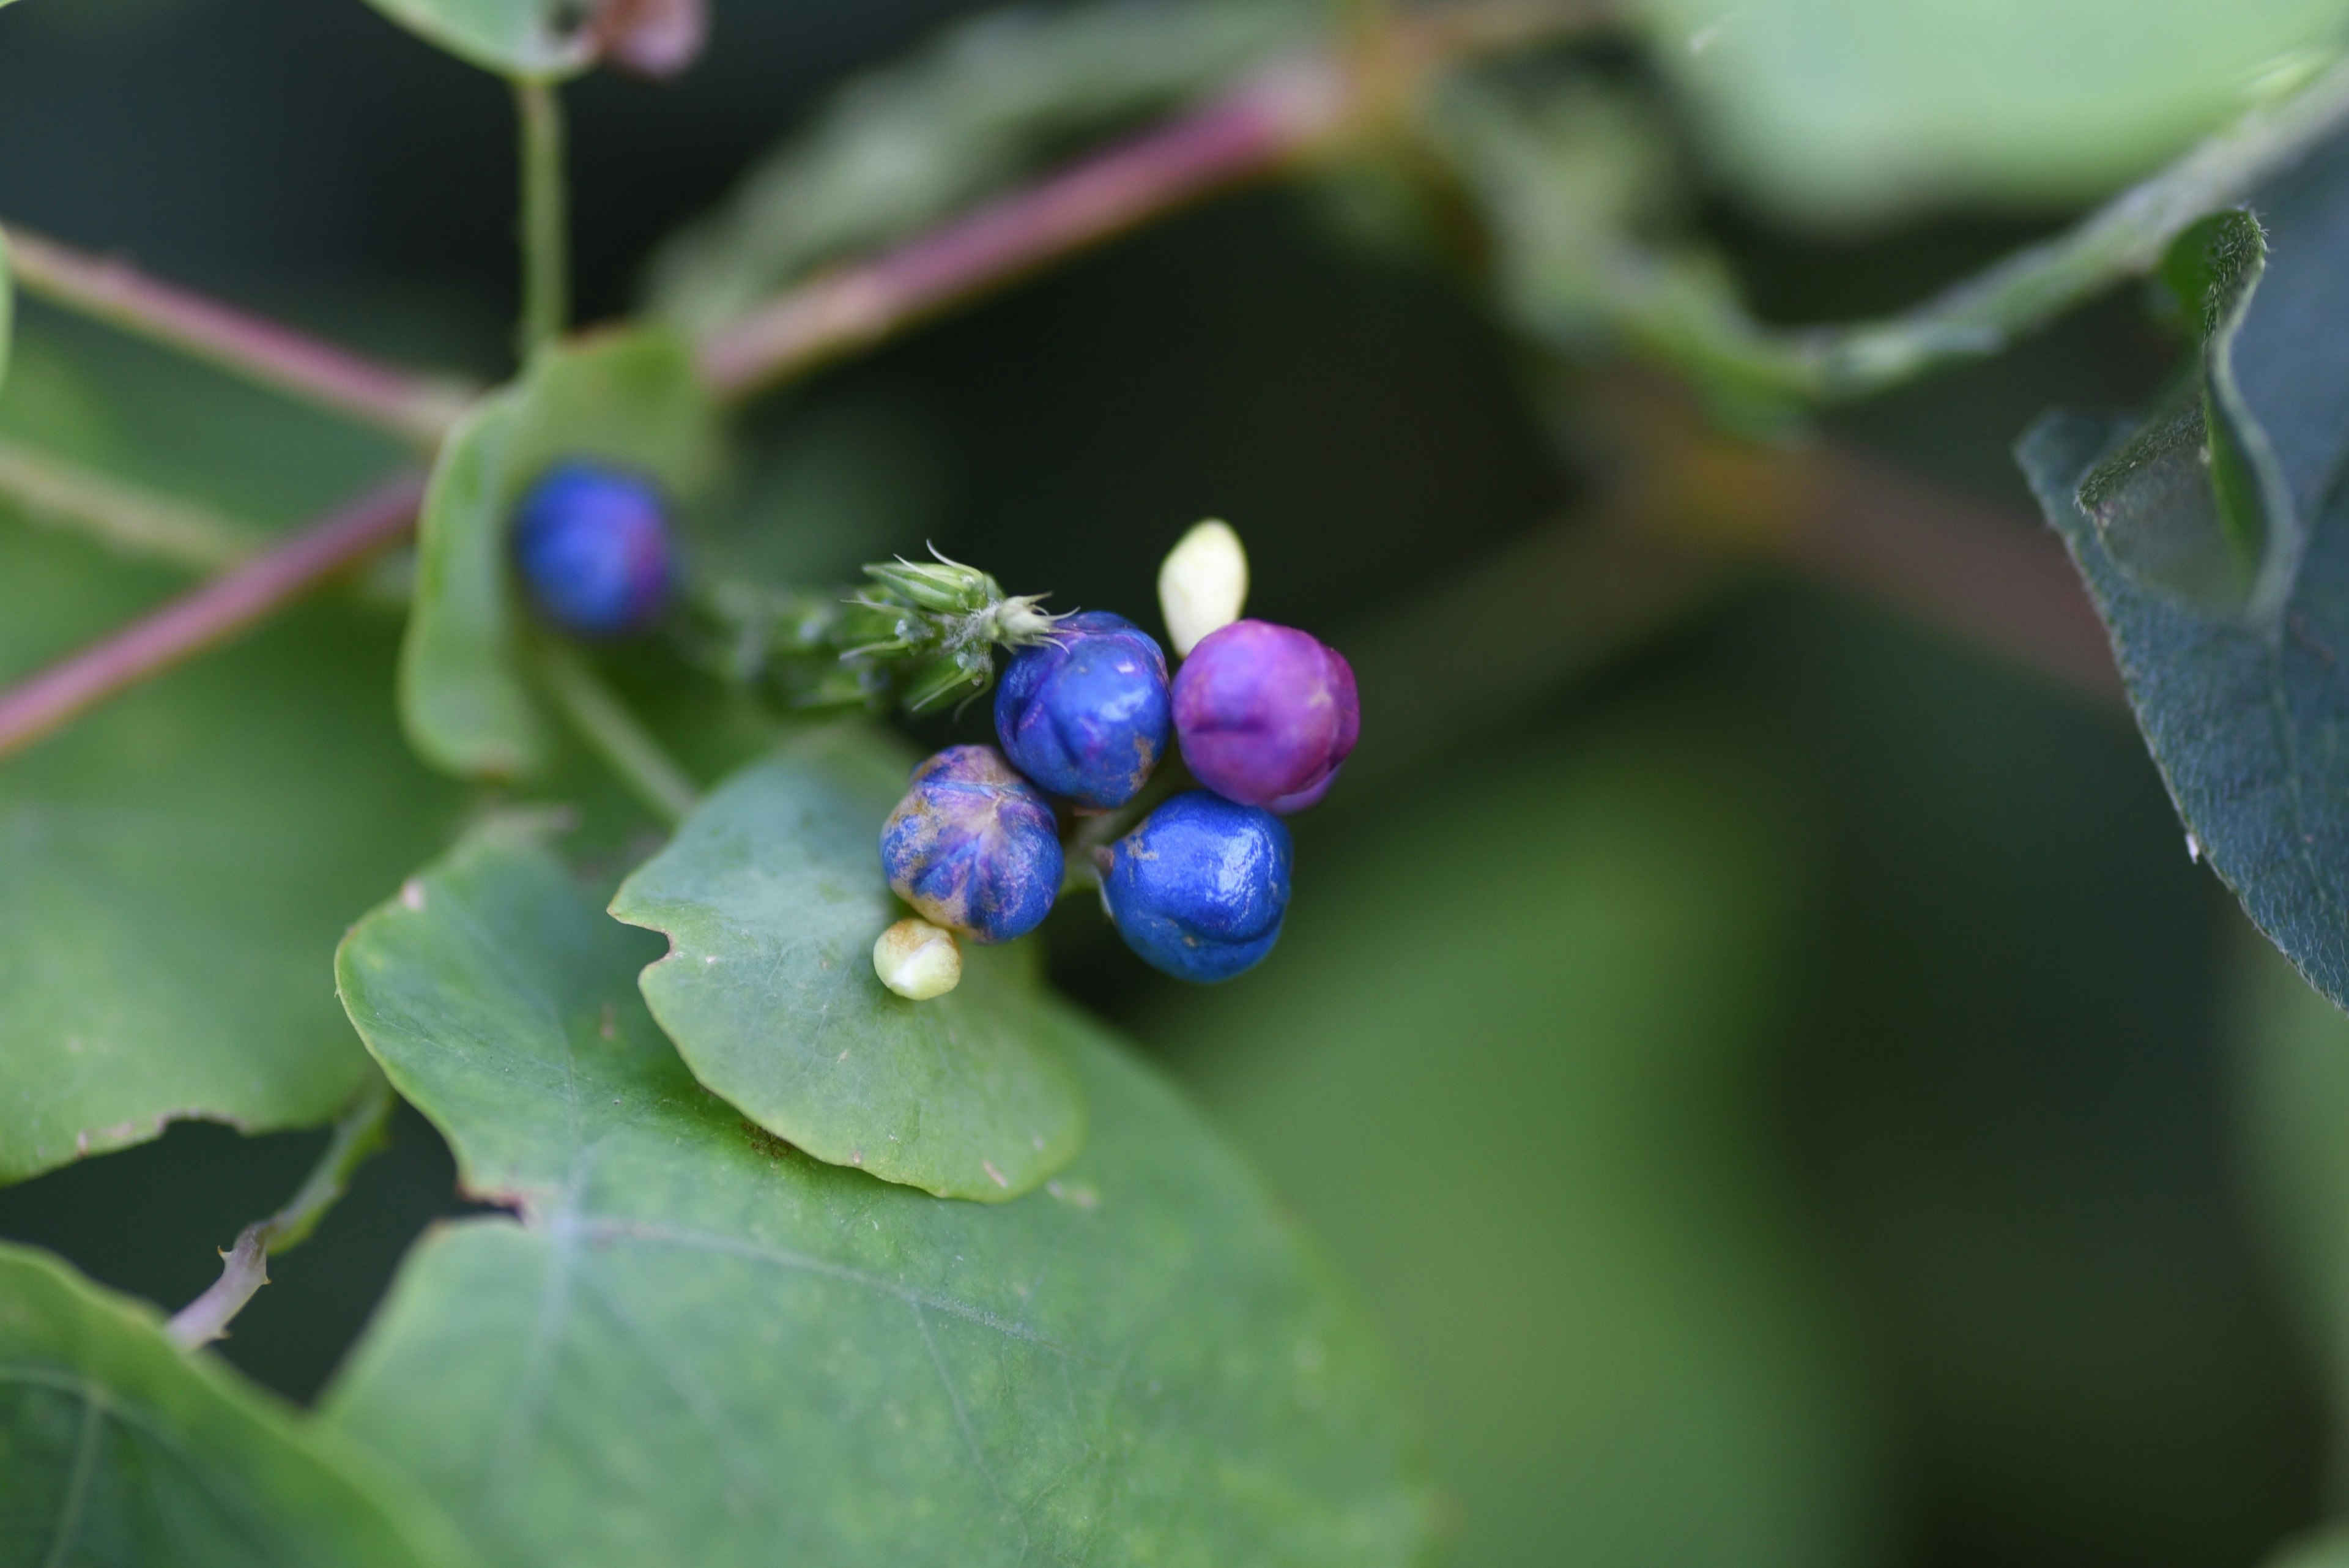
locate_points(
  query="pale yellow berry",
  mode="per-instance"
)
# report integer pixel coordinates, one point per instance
(917, 959)
(1203, 584)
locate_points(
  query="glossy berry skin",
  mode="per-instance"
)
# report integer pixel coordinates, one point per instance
(1199, 890)
(973, 846)
(1085, 715)
(595, 550)
(1266, 714)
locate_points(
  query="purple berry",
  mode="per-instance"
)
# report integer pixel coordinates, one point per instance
(1200, 888)
(1085, 715)
(595, 550)
(1266, 714)
(973, 846)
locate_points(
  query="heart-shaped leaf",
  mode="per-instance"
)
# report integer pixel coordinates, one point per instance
(772, 894)
(698, 1345)
(627, 399)
(542, 40)
(2239, 687)
(119, 1448)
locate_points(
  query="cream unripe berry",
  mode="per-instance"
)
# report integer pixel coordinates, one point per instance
(1203, 584)
(917, 959)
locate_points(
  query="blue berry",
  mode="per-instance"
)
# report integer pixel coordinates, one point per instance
(1200, 888)
(595, 550)
(973, 846)
(1086, 714)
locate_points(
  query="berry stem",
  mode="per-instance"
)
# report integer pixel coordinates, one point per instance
(416, 408)
(210, 614)
(244, 1266)
(546, 221)
(616, 735)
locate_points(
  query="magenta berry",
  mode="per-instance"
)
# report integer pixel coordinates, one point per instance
(1266, 714)
(973, 846)
(1085, 714)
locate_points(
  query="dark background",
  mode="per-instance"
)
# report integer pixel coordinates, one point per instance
(1995, 1077)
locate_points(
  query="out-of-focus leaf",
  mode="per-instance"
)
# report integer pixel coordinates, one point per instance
(697, 1345)
(2292, 1092)
(119, 1448)
(1507, 1068)
(907, 145)
(176, 867)
(2241, 698)
(544, 40)
(7, 301)
(772, 894)
(628, 399)
(2329, 1549)
(1844, 111)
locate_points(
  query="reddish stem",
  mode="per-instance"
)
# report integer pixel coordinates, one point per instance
(209, 615)
(1248, 134)
(413, 406)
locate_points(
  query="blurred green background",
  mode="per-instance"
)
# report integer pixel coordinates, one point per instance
(1782, 1095)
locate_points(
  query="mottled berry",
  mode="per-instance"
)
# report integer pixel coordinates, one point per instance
(973, 846)
(1085, 715)
(595, 550)
(1200, 888)
(1266, 714)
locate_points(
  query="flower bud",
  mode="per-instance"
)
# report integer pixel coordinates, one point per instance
(1266, 714)
(593, 549)
(1085, 715)
(973, 846)
(1199, 890)
(917, 959)
(1203, 584)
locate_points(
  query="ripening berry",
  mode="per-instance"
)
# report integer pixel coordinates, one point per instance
(1266, 714)
(1199, 890)
(1085, 715)
(973, 846)
(917, 959)
(1202, 585)
(595, 550)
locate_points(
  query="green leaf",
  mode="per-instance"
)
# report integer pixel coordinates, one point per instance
(697, 1345)
(2327, 1549)
(772, 896)
(7, 301)
(119, 1448)
(1848, 111)
(176, 867)
(907, 145)
(1511, 1047)
(629, 400)
(542, 40)
(2232, 665)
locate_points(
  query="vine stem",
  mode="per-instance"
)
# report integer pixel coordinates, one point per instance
(209, 615)
(244, 1266)
(546, 221)
(614, 733)
(416, 408)
(1250, 133)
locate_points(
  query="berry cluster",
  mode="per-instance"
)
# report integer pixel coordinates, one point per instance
(1263, 717)
(1196, 880)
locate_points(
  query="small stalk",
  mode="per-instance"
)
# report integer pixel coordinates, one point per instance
(614, 734)
(546, 221)
(244, 1266)
(120, 516)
